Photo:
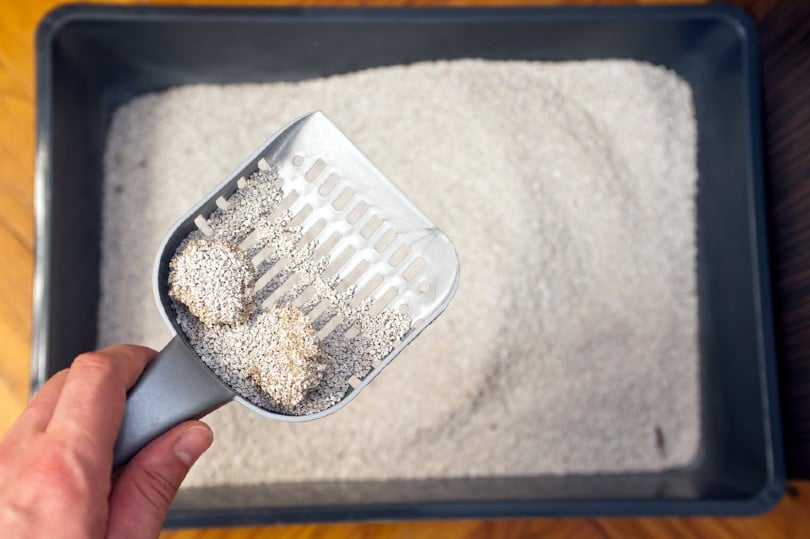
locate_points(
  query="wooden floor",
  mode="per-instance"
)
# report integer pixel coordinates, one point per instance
(17, 23)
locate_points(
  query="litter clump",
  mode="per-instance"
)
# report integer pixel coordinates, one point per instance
(214, 279)
(273, 356)
(282, 356)
(288, 359)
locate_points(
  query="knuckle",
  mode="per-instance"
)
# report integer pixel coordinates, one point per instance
(18, 503)
(78, 440)
(60, 482)
(59, 467)
(94, 361)
(60, 375)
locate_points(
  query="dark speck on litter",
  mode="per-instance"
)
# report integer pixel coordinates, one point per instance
(660, 441)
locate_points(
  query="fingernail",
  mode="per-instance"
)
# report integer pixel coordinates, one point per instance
(193, 443)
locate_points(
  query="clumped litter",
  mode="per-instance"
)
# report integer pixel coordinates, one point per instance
(214, 280)
(273, 357)
(568, 190)
(297, 363)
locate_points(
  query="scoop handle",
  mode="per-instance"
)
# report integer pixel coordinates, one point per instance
(174, 387)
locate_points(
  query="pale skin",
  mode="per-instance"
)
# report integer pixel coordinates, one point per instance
(56, 477)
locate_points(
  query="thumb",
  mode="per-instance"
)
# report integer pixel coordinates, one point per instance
(141, 495)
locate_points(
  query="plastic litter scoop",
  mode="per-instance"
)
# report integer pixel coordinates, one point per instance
(362, 218)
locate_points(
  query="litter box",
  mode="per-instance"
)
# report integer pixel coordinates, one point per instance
(92, 59)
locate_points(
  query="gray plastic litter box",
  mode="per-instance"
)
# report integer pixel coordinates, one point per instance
(92, 59)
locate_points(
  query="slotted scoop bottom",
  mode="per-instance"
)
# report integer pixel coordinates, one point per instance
(374, 237)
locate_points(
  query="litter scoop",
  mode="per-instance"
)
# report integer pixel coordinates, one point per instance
(361, 218)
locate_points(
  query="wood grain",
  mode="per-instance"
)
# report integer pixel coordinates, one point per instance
(786, 67)
(789, 520)
(785, 42)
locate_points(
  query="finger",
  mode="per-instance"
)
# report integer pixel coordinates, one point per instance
(34, 419)
(90, 408)
(142, 494)
(38, 413)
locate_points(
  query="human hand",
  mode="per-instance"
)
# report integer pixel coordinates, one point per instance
(56, 460)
